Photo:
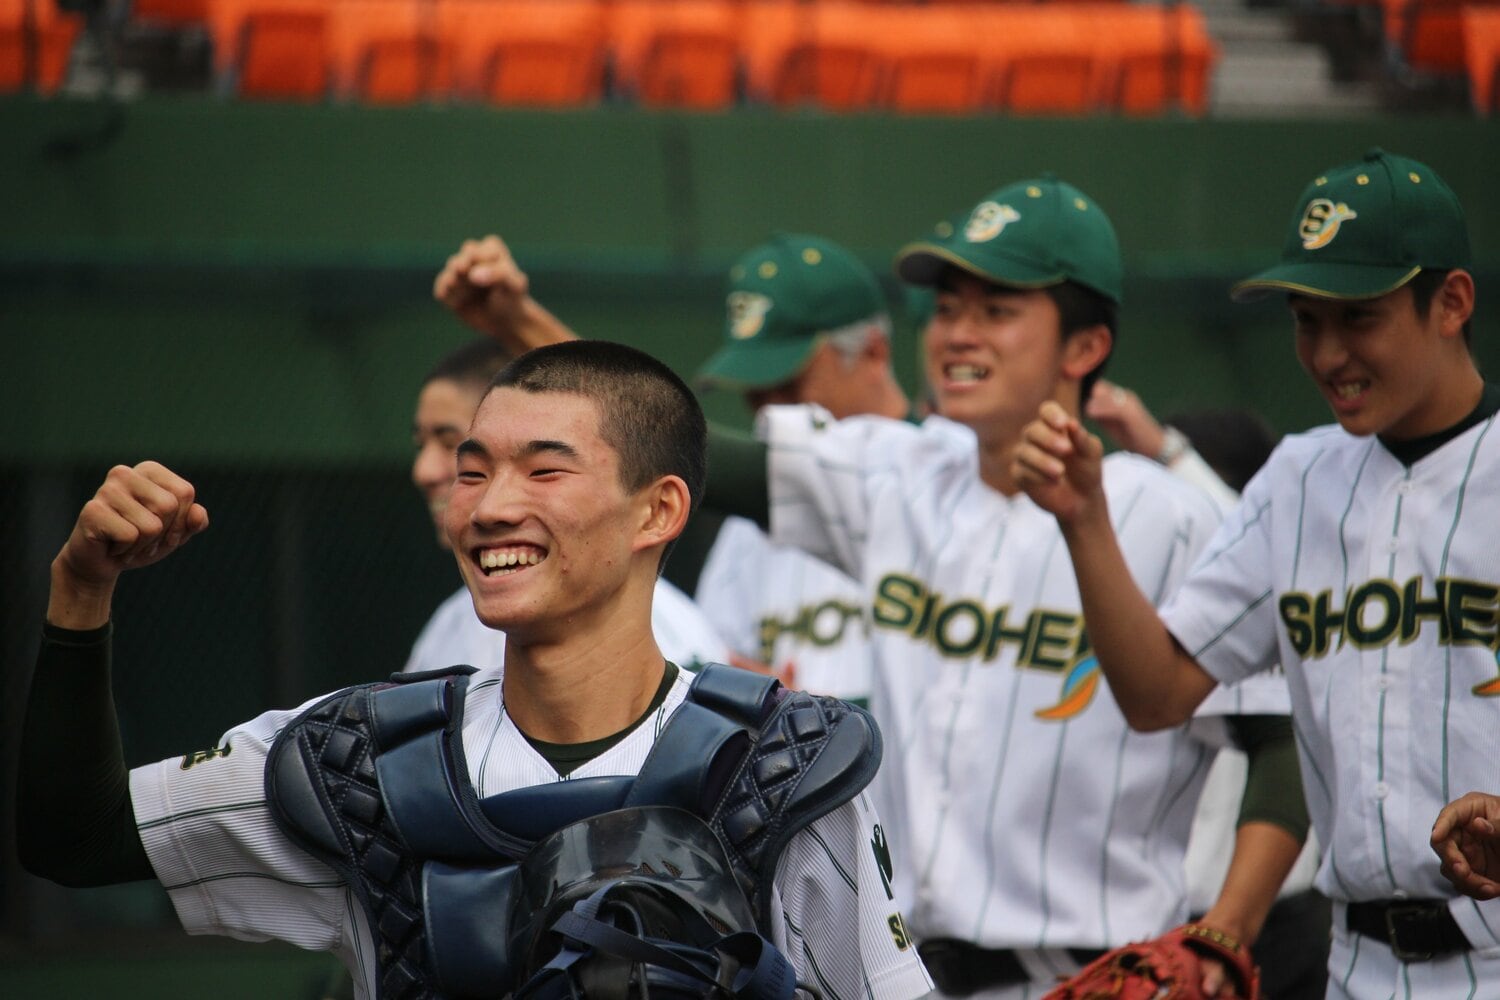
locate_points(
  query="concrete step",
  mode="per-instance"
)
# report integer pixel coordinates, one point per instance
(1234, 25)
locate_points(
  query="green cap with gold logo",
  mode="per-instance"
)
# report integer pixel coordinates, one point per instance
(782, 295)
(1366, 228)
(1033, 234)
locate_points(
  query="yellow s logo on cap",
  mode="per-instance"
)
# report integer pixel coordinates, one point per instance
(1321, 222)
(989, 220)
(747, 313)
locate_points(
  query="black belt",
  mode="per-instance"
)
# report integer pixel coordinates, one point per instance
(1416, 929)
(961, 969)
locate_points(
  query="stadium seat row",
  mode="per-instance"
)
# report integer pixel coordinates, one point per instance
(35, 41)
(1427, 36)
(1059, 57)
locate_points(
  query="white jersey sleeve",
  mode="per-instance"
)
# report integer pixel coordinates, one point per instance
(226, 866)
(1228, 623)
(835, 915)
(825, 474)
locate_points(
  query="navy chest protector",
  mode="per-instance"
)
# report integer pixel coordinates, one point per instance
(571, 888)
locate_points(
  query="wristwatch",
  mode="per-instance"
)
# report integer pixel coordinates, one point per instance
(1173, 444)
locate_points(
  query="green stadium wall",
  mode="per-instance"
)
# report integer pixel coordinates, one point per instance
(242, 290)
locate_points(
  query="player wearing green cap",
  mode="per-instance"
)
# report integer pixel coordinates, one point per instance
(1360, 558)
(1037, 828)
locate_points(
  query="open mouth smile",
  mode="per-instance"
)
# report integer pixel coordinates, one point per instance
(508, 559)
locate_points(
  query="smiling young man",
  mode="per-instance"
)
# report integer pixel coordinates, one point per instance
(1037, 829)
(804, 322)
(454, 634)
(394, 824)
(1361, 558)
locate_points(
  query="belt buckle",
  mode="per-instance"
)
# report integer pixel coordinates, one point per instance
(1394, 915)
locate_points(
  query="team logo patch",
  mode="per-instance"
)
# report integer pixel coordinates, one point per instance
(989, 220)
(747, 313)
(204, 756)
(1078, 691)
(1491, 687)
(1321, 222)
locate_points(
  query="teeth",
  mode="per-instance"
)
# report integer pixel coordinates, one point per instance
(508, 559)
(1349, 390)
(965, 373)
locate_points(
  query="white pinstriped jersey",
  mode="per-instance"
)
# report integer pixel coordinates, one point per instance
(780, 606)
(230, 871)
(1034, 818)
(1377, 587)
(454, 634)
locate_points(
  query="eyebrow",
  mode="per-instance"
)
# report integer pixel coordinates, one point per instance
(469, 446)
(549, 447)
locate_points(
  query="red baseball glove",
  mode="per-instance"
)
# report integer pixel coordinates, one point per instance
(1166, 968)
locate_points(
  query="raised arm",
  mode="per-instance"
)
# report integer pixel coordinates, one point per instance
(1156, 683)
(82, 831)
(483, 285)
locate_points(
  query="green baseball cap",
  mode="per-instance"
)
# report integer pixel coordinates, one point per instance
(1032, 234)
(782, 295)
(1366, 228)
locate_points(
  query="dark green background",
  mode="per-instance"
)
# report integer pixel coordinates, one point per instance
(241, 291)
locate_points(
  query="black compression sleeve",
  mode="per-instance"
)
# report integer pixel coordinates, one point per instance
(737, 479)
(1273, 785)
(74, 821)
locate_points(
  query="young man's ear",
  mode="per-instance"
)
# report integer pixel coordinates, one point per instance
(665, 512)
(1085, 349)
(1455, 299)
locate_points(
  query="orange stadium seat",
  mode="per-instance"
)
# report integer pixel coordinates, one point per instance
(389, 51)
(933, 56)
(1041, 59)
(530, 53)
(271, 48)
(1161, 56)
(1481, 31)
(682, 53)
(35, 53)
(1426, 34)
(828, 54)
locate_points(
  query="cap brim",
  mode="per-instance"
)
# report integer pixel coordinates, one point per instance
(755, 364)
(1325, 281)
(924, 264)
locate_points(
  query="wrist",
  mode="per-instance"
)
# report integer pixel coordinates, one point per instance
(75, 603)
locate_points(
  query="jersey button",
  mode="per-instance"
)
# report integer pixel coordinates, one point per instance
(1393, 545)
(1382, 790)
(1405, 488)
(1384, 682)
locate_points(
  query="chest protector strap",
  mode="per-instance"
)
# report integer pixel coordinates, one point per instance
(373, 781)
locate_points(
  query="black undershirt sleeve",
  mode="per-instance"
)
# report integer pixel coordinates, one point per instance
(1273, 784)
(74, 821)
(737, 479)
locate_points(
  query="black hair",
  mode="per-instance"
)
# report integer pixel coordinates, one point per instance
(647, 414)
(472, 364)
(1235, 443)
(1080, 307)
(1424, 288)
